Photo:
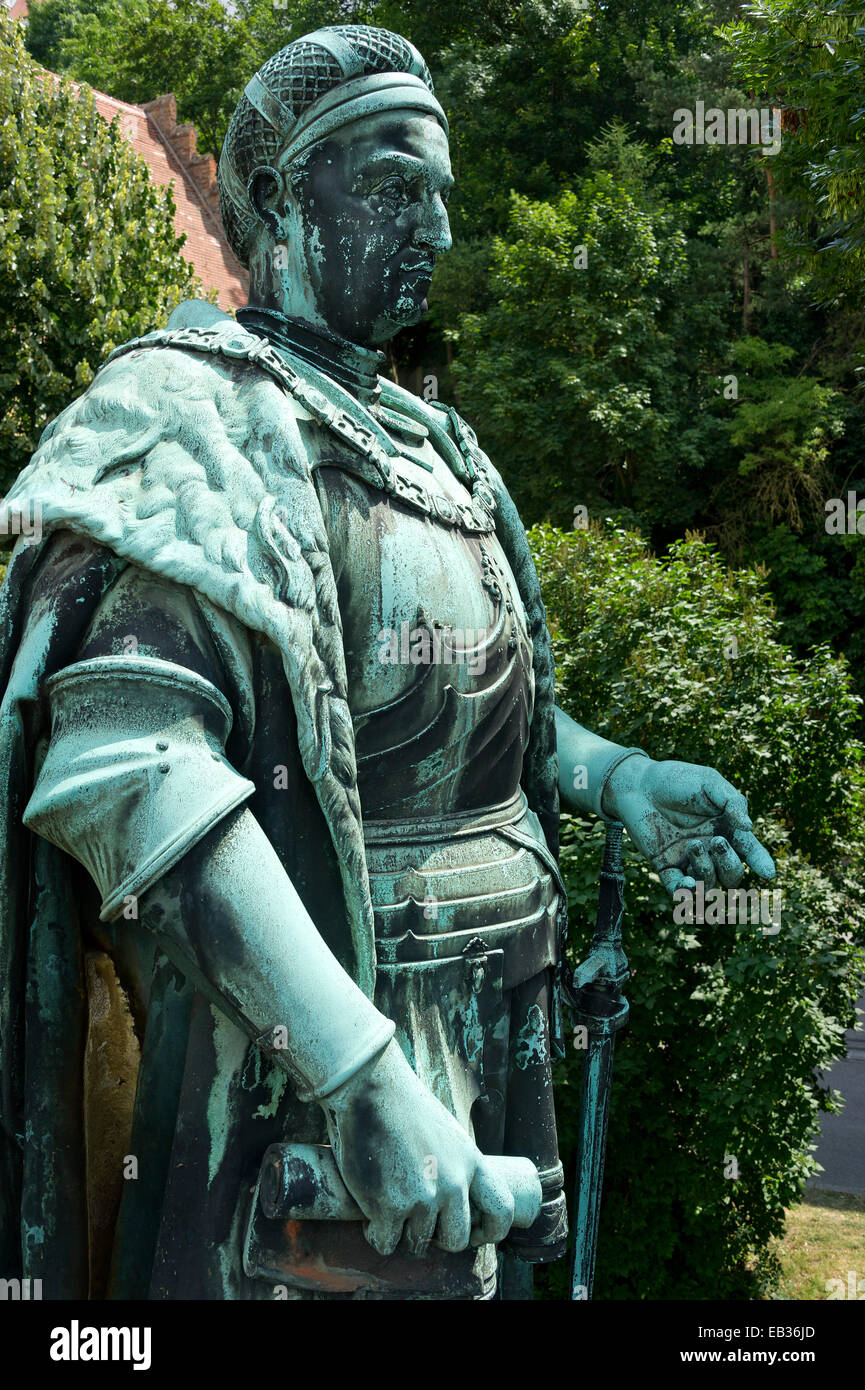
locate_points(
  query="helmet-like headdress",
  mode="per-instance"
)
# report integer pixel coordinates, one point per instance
(302, 94)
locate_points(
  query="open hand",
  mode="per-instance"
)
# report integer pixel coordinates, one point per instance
(688, 821)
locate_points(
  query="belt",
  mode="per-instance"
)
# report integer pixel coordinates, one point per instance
(417, 830)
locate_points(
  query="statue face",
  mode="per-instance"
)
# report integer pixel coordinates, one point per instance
(370, 218)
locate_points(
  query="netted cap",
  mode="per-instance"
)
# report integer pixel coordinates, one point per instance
(302, 94)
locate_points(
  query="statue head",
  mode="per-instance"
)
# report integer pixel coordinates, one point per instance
(334, 179)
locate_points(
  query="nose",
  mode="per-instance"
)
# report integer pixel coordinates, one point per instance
(433, 231)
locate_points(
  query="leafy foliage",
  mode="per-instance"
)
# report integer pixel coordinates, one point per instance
(201, 50)
(727, 1024)
(782, 432)
(137, 49)
(88, 254)
(575, 352)
(808, 58)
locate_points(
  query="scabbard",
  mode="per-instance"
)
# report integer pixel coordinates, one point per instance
(592, 1131)
(599, 1007)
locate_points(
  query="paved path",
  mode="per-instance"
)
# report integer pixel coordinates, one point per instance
(841, 1148)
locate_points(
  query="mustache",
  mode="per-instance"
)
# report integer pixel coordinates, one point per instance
(418, 264)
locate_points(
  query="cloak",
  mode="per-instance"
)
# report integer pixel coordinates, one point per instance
(190, 457)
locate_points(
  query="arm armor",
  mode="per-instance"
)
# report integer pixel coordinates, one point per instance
(134, 778)
(135, 772)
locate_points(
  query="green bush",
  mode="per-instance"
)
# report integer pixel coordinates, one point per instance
(729, 1026)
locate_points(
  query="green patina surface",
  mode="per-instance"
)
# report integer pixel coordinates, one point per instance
(195, 459)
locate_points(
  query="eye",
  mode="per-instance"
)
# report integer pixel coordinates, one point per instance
(393, 190)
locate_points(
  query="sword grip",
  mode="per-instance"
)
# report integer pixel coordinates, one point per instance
(301, 1182)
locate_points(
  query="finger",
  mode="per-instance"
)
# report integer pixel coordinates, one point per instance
(728, 865)
(674, 879)
(384, 1234)
(700, 863)
(493, 1201)
(419, 1230)
(478, 1235)
(734, 809)
(753, 853)
(454, 1228)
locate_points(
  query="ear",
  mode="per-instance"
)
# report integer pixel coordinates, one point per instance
(267, 196)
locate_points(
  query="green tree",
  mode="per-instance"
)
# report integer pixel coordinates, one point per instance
(88, 254)
(50, 25)
(137, 49)
(782, 428)
(201, 50)
(572, 375)
(807, 58)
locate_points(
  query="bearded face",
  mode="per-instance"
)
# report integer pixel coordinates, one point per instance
(368, 220)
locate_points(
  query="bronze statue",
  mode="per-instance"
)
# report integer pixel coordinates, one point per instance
(282, 769)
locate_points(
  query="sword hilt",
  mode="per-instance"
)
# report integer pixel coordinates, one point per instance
(606, 965)
(302, 1182)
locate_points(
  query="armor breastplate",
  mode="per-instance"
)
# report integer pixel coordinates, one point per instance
(439, 658)
(454, 740)
(455, 857)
